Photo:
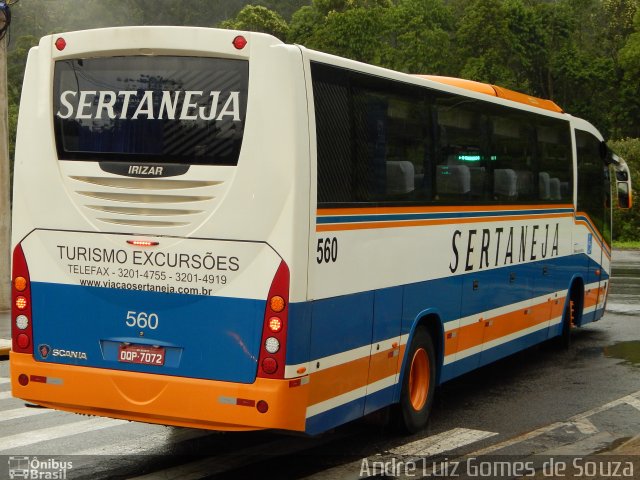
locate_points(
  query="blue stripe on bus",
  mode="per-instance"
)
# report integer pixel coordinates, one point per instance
(336, 416)
(490, 355)
(349, 411)
(350, 318)
(433, 216)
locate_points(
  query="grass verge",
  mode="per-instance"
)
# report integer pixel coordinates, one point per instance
(627, 245)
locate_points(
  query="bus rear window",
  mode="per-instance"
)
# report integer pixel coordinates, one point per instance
(188, 110)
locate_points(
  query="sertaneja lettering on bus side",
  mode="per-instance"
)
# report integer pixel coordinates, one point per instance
(503, 246)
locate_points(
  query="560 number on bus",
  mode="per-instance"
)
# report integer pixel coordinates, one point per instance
(327, 250)
(142, 320)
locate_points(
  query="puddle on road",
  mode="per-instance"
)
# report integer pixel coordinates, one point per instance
(628, 351)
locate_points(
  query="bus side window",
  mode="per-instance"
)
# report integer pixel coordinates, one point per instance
(461, 165)
(512, 155)
(333, 121)
(554, 160)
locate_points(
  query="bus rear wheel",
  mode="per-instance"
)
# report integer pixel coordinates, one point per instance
(418, 384)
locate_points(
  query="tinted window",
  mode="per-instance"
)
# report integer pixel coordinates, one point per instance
(593, 181)
(380, 141)
(372, 139)
(462, 169)
(555, 168)
(160, 109)
(513, 156)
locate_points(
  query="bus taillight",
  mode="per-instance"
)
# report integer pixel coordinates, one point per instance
(239, 42)
(275, 324)
(274, 329)
(21, 324)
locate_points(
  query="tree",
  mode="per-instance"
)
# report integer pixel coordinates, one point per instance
(486, 43)
(628, 114)
(258, 19)
(418, 38)
(350, 28)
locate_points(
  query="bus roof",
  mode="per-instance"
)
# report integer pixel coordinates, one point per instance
(496, 91)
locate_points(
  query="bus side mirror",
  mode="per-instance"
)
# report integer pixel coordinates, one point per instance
(624, 195)
(623, 181)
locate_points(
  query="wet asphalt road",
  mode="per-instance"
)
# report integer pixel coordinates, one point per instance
(530, 391)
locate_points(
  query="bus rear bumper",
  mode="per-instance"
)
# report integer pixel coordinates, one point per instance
(162, 399)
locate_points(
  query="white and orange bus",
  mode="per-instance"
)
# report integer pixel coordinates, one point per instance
(214, 229)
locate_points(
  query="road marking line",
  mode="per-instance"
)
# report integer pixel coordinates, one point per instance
(634, 402)
(518, 439)
(442, 442)
(35, 436)
(606, 406)
(433, 445)
(585, 426)
(5, 395)
(7, 415)
(541, 431)
(4, 380)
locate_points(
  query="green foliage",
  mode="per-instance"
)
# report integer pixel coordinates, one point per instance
(583, 54)
(626, 223)
(418, 37)
(624, 245)
(256, 18)
(627, 111)
(406, 35)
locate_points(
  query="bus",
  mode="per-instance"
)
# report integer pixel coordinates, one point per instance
(214, 229)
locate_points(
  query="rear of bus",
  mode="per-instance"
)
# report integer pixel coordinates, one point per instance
(160, 227)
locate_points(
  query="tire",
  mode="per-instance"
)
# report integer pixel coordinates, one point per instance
(418, 384)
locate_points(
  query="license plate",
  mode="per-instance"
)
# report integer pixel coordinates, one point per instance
(141, 354)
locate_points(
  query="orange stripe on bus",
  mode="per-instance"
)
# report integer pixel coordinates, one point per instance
(475, 334)
(422, 223)
(384, 364)
(334, 381)
(423, 209)
(470, 336)
(591, 297)
(513, 322)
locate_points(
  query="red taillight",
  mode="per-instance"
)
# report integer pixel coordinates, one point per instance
(239, 42)
(275, 324)
(23, 379)
(269, 365)
(21, 303)
(274, 331)
(21, 320)
(60, 43)
(23, 340)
